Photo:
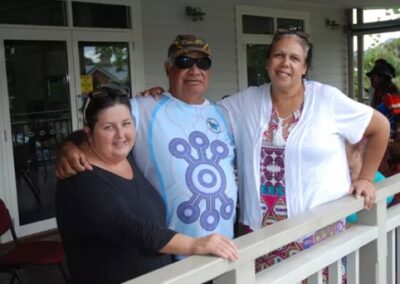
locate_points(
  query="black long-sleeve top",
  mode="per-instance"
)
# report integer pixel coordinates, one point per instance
(112, 228)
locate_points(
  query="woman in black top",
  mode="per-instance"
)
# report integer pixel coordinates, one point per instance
(111, 220)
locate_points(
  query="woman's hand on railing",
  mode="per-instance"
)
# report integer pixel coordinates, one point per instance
(216, 244)
(366, 188)
(155, 92)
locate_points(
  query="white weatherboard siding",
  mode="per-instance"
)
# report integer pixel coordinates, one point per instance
(163, 20)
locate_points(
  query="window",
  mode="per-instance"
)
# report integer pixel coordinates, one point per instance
(258, 25)
(376, 35)
(100, 15)
(290, 24)
(28, 12)
(255, 29)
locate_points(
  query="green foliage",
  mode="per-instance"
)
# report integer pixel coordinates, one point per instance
(113, 55)
(395, 11)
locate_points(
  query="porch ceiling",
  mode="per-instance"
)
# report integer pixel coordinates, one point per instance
(353, 3)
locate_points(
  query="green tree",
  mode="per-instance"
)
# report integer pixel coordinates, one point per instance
(113, 55)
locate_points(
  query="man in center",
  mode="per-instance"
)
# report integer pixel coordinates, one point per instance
(184, 145)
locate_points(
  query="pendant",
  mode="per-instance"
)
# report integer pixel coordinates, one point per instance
(278, 139)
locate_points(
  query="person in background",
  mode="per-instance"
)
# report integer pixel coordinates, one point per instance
(184, 145)
(385, 96)
(381, 76)
(111, 220)
(386, 99)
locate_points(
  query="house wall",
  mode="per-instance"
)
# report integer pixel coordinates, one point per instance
(163, 20)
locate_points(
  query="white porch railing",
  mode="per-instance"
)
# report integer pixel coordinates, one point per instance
(369, 247)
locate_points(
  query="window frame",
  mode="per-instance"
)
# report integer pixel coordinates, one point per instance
(359, 30)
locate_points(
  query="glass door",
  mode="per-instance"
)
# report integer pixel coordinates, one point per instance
(46, 73)
(40, 116)
(256, 71)
(38, 113)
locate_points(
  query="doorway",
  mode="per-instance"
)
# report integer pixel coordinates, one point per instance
(47, 75)
(40, 118)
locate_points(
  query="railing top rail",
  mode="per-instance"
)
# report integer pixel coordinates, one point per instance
(319, 256)
(387, 187)
(267, 239)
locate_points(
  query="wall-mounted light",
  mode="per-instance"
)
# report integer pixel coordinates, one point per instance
(195, 13)
(332, 24)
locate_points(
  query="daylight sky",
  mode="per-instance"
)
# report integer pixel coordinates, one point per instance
(378, 15)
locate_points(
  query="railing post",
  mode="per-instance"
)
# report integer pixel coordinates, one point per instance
(373, 255)
(335, 272)
(397, 243)
(244, 274)
(391, 262)
(353, 267)
(316, 278)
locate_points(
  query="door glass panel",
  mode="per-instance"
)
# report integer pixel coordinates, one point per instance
(101, 15)
(28, 12)
(38, 90)
(256, 72)
(104, 64)
(257, 25)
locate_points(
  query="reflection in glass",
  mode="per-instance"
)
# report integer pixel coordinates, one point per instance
(106, 63)
(291, 24)
(257, 25)
(256, 72)
(40, 117)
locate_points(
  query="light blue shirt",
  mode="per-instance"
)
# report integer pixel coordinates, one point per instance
(187, 153)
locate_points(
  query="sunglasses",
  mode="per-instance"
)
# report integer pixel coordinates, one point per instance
(300, 34)
(186, 62)
(101, 93)
(108, 92)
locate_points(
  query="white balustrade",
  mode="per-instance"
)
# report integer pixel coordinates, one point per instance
(369, 247)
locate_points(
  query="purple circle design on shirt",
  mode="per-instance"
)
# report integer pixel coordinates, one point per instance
(205, 178)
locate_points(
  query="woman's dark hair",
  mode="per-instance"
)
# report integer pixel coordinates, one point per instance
(304, 37)
(101, 99)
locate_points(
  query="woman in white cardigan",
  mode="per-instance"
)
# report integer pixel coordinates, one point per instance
(290, 136)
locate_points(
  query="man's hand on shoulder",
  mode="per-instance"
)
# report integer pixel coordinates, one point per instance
(70, 161)
(155, 92)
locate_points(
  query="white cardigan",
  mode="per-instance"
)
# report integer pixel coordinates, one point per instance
(316, 169)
